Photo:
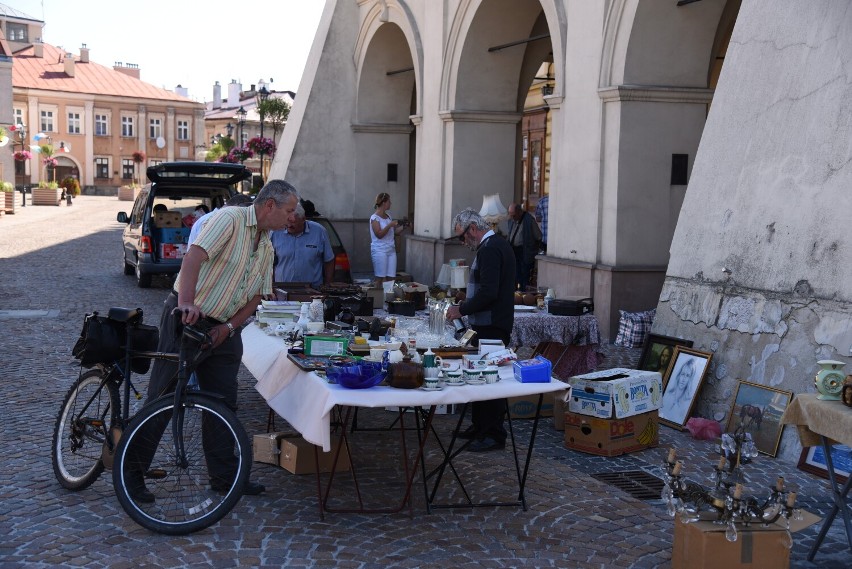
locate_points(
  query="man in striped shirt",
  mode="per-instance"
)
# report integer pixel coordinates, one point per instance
(223, 276)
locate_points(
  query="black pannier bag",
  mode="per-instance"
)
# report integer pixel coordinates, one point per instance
(103, 340)
(576, 306)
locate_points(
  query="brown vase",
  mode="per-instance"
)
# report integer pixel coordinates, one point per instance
(529, 299)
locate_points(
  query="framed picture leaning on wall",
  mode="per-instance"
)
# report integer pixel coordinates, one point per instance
(758, 409)
(658, 351)
(813, 461)
(681, 383)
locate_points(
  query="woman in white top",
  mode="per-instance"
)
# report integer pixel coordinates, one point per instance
(383, 229)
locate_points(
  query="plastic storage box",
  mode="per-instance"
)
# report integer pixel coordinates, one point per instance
(535, 370)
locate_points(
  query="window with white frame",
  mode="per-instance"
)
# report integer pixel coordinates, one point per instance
(102, 167)
(155, 128)
(47, 121)
(127, 126)
(183, 130)
(128, 168)
(155, 162)
(74, 122)
(101, 125)
(17, 116)
(17, 32)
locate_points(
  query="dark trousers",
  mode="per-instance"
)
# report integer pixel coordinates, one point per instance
(487, 416)
(216, 373)
(522, 270)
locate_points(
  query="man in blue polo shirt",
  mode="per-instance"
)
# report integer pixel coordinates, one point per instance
(303, 252)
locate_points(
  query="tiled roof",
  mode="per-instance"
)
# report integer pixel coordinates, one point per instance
(48, 73)
(10, 12)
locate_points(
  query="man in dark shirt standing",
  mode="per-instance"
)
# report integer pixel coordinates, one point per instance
(524, 237)
(490, 310)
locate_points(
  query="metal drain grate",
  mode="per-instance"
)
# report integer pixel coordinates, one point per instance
(637, 483)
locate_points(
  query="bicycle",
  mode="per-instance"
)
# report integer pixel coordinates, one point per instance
(93, 432)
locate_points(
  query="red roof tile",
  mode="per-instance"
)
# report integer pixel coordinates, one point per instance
(48, 73)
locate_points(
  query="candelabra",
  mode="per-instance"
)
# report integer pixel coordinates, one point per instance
(725, 502)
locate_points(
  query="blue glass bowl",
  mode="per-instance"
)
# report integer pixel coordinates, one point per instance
(356, 376)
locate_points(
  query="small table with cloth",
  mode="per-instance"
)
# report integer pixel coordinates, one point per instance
(820, 422)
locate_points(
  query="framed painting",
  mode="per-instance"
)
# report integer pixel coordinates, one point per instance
(681, 383)
(813, 460)
(758, 409)
(658, 351)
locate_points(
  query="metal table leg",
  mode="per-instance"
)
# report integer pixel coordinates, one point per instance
(841, 504)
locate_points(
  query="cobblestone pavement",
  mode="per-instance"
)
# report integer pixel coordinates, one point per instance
(57, 263)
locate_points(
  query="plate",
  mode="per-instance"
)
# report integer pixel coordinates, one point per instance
(455, 383)
(475, 382)
(424, 388)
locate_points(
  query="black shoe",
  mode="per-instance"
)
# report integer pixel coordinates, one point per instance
(137, 490)
(486, 445)
(468, 434)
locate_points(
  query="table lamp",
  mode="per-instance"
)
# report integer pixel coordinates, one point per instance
(458, 277)
(492, 210)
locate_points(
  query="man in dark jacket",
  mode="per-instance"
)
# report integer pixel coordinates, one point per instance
(490, 310)
(524, 237)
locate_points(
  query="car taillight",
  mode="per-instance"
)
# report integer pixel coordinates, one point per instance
(145, 244)
(341, 262)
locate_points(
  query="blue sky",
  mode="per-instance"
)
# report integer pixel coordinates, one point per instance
(192, 43)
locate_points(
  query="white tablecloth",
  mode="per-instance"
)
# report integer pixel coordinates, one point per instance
(305, 400)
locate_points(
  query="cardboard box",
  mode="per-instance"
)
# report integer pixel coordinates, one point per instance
(172, 250)
(297, 456)
(325, 345)
(524, 407)
(702, 545)
(172, 235)
(167, 219)
(611, 437)
(377, 295)
(616, 393)
(266, 447)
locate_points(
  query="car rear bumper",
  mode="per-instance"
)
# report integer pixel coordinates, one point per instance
(147, 265)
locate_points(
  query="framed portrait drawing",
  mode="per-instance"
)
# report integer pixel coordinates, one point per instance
(813, 461)
(681, 383)
(758, 409)
(658, 351)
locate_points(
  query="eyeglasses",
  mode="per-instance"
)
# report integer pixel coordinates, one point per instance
(463, 236)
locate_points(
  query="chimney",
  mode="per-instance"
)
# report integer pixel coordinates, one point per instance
(217, 96)
(69, 64)
(38, 48)
(84, 54)
(234, 90)
(130, 69)
(182, 91)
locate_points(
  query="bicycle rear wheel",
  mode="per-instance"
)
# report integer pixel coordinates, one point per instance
(90, 407)
(164, 495)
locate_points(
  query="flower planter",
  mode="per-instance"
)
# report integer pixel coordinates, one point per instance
(7, 202)
(47, 196)
(127, 193)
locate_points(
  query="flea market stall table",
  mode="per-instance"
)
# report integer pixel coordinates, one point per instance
(821, 422)
(306, 401)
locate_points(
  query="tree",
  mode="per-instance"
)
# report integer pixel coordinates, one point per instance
(275, 111)
(222, 148)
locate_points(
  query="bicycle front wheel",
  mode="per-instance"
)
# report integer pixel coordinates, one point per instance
(176, 495)
(90, 407)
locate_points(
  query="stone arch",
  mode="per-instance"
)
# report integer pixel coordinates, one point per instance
(470, 80)
(388, 42)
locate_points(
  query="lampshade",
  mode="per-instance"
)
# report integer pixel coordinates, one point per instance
(444, 275)
(458, 276)
(492, 210)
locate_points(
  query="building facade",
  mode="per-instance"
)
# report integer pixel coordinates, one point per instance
(745, 104)
(105, 124)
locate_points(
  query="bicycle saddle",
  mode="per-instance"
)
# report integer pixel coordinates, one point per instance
(129, 315)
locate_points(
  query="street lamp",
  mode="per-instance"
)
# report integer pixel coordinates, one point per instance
(241, 121)
(21, 130)
(262, 96)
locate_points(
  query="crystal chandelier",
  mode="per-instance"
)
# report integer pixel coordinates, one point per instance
(725, 502)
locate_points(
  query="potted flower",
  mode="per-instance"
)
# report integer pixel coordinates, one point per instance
(138, 158)
(260, 145)
(70, 186)
(127, 192)
(47, 193)
(237, 155)
(7, 198)
(22, 155)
